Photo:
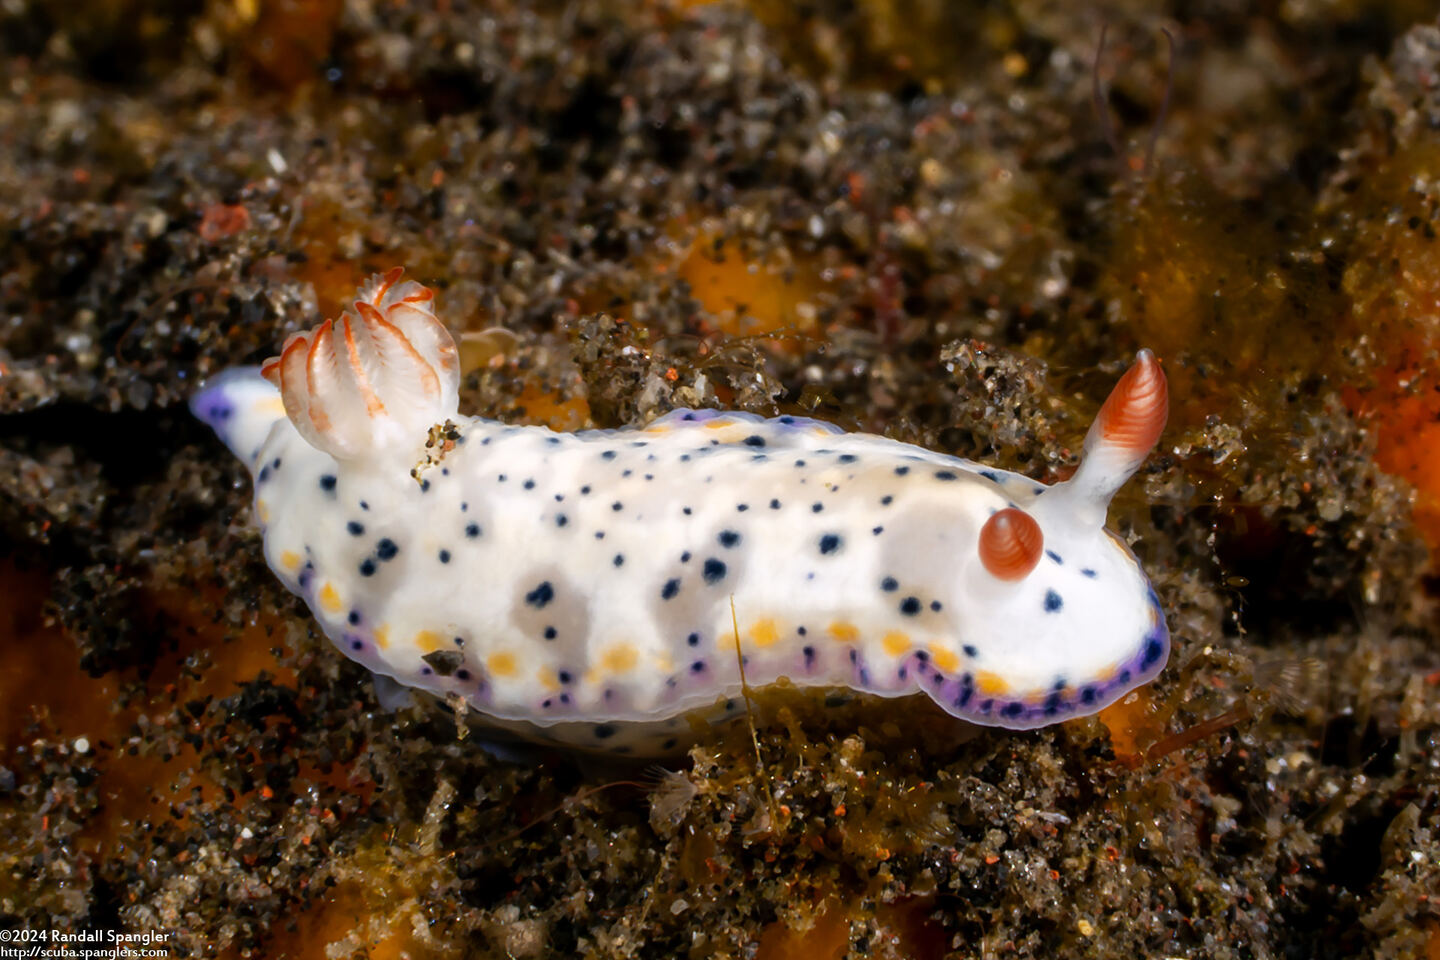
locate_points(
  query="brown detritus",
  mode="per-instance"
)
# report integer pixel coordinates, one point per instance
(920, 191)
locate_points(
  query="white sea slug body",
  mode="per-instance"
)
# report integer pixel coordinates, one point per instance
(578, 587)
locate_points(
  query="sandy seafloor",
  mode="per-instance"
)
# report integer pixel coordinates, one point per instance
(905, 216)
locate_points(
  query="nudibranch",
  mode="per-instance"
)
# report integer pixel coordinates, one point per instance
(578, 588)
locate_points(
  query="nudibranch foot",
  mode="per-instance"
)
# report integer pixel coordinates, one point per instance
(578, 588)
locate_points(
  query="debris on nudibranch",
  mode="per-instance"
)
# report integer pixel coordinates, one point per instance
(577, 587)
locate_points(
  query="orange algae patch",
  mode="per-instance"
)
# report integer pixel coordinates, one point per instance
(546, 408)
(904, 932)
(828, 938)
(42, 684)
(288, 39)
(1393, 281)
(1133, 723)
(745, 296)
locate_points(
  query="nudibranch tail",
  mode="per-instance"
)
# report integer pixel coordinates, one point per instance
(382, 372)
(241, 408)
(1126, 429)
(1010, 544)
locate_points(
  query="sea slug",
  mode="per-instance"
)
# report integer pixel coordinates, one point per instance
(578, 588)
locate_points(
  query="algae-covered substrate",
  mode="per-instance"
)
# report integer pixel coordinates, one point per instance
(943, 222)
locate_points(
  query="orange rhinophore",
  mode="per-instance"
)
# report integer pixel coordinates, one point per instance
(1010, 544)
(1134, 414)
(1124, 432)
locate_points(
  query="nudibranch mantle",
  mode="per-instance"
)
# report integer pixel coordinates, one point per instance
(578, 588)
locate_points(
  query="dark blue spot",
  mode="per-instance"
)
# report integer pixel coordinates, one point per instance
(829, 543)
(564, 676)
(529, 484)
(367, 567)
(742, 507)
(561, 519)
(754, 440)
(799, 463)
(671, 588)
(816, 507)
(550, 634)
(889, 584)
(877, 530)
(608, 455)
(599, 534)
(462, 674)
(552, 440)
(685, 557)
(355, 528)
(847, 458)
(264, 474)
(728, 538)
(1087, 572)
(970, 650)
(944, 475)
(464, 506)
(988, 475)
(619, 560)
(354, 617)
(327, 483)
(364, 505)
(386, 549)
(901, 471)
(698, 666)
(1053, 556)
(886, 500)
(1087, 695)
(685, 510)
(1053, 601)
(604, 731)
(626, 473)
(472, 530)
(541, 595)
(500, 478)
(444, 556)
(356, 645)
(1012, 709)
(714, 570)
(809, 655)
(800, 630)
(910, 606)
(617, 506)
(1154, 650)
(936, 605)
(693, 640)
(424, 486)
(774, 504)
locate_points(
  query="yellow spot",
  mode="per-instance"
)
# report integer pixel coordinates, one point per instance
(428, 641)
(619, 658)
(547, 678)
(658, 428)
(1106, 675)
(843, 631)
(271, 406)
(329, 599)
(990, 684)
(501, 664)
(289, 559)
(763, 633)
(944, 657)
(896, 643)
(262, 510)
(718, 423)
(382, 636)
